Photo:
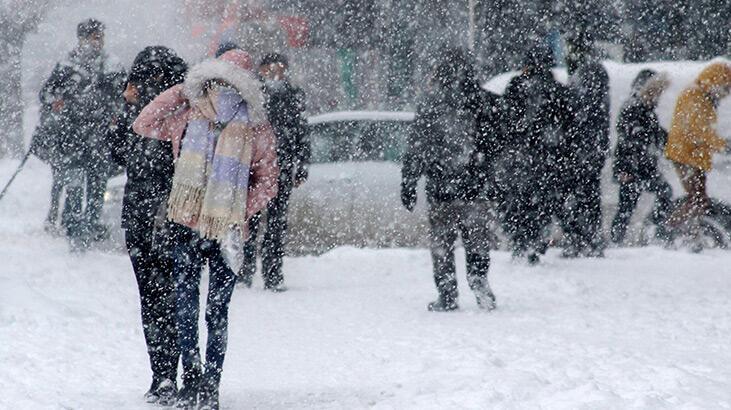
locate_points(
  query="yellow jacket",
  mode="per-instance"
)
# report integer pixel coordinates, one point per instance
(692, 139)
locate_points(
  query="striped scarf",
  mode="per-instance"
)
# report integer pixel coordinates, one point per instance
(211, 179)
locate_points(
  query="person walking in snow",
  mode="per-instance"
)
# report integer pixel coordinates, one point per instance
(693, 140)
(589, 83)
(225, 172)
(285, 105)
(538, 117)
(640, 140)
(82, 89)
(149, 166)
(443, 148)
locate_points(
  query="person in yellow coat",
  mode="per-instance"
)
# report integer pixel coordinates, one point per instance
(693, 140)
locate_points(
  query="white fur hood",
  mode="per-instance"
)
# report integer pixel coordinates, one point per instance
(242, 80)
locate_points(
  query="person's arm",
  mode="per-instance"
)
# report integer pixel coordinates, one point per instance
(302, 131)
(702, 122)
(414, 161)
(151, 121)
(263, 182)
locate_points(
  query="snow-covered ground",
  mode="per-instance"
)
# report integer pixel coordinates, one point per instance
(642, 328)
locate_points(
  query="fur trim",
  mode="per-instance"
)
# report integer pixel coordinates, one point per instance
(243, 81)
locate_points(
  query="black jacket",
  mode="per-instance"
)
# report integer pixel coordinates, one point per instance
(285, 105)
(148, 162)
(590, 135)
(640, 141)
(538, 117)
(74, 137)
(452, 144)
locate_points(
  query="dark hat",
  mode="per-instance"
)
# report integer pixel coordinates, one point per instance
(642, 78)
(158, 63)
(88, 27)
(224, 47)
(274, 58)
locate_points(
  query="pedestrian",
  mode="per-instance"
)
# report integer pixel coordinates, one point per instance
(640, 141)
(538, 118)
(589, 83)
(285, 106)
(84, 90)
(225, 172)
(57, 142)
(693, 140)
(443, 148)
(149, 167)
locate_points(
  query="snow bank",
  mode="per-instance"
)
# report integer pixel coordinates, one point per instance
(642, 328)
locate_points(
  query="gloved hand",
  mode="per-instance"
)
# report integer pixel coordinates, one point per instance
(408, 197)
(301, 176)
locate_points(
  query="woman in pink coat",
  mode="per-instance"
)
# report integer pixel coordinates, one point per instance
(225, 172)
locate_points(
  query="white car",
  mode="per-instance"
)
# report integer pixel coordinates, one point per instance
(352, 196)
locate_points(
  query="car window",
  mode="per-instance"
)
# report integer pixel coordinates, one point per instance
(359, 141)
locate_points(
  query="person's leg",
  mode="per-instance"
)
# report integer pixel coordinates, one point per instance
(474, 227)
(443, 222)
(593, 208)
(272, 253)
(220, 288)
(56, 191)
(629, 195)
(187, 263)
(96, 185)
(248, 268)
(663, 199)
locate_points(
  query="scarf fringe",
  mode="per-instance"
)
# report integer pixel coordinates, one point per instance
(184, 204)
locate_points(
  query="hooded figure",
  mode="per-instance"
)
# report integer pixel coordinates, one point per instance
(640, 140)
(534, 154)
(444, 147)
(149, 167)
(589, 140)
(225, 172)
(693, 140)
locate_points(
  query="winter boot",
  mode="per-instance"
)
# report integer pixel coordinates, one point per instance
(187, 397)
(533, 259)
(167, 393)
(244, 280)
(485, 298)
(151, 395)
(443, 304)
(209, 397)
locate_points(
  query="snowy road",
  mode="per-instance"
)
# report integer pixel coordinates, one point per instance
(643, 328)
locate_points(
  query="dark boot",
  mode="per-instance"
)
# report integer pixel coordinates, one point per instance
(443, 304)
(187, 397)
(209, 396)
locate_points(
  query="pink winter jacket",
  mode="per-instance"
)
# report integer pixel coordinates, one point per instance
(166, 118)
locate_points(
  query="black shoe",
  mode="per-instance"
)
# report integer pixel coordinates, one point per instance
(187, 397)
(442, 305)
(151, 395)
(533, 259)
(244, 280)
(167, 393)
(280, 288)
(209, 398)
(485, 299)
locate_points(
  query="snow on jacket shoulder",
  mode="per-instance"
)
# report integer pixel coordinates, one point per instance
(166, 118)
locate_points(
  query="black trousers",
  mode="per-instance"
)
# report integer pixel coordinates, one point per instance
(582, 222)
(153, 269)
(448, 220)
(272, 249)
(96, 185)
(629, 195)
